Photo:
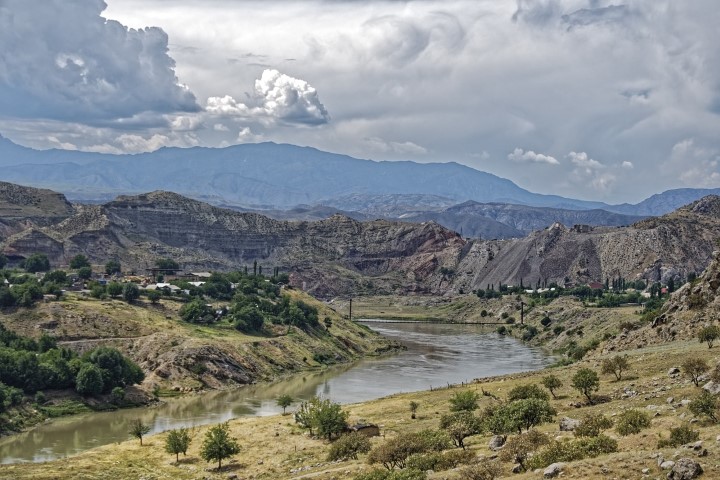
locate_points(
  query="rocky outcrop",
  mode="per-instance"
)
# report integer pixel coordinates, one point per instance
(140, 229)
(655, 249)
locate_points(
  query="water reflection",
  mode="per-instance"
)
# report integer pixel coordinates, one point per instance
(436, 355)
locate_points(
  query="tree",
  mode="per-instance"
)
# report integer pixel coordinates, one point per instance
(138, 429)
(112, 267)
(167, 264)
(709, 335)
(37, 262)
(465, 401)
(197, 311)
(79, 261)
(329, 418)
(615, 365)
(522, 392)
(530, 412)
(706, 404)
(3, 261)
(89, 380)
(84, 272)
(586, 381)
(177, 442)
(694, 367)
(413, 408)
(284, 401)
(460, 425)
(552, 383)
(153, 296)
(130, 292)
(218, 444)
(114, 289)
(328, 322)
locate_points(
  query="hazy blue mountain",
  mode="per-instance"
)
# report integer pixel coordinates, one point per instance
(272, 176)
(472, 218)
(665, 202)
(264, 175)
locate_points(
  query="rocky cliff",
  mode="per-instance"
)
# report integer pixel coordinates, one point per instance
(24, 207)
(657, 249)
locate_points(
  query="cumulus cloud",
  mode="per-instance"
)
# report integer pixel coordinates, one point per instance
(581, 159)
(627, 165)
(62, 60)
(277, 97)
(518, 155)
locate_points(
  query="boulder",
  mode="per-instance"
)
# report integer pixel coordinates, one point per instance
(667, 464)
(568, 424)
(496, 442)
(712, 387)
(673, 371)
(553, 470)
(685, 469)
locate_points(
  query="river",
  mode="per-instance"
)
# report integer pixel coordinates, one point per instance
(436, 354)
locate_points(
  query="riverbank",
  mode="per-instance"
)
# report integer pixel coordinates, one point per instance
(276, 448)
(178, 357)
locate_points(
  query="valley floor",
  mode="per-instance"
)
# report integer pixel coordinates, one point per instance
(276, 448)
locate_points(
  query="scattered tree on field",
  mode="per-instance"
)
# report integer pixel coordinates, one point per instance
(694, 367)
(586, 381)
(706, 404)
(413, 408)
(218, 444)
(284, 401)
(519, 447)
(552, 383)
(460, 425)
(615, 365)
(177, 442)
(138, 429)
(709, 334)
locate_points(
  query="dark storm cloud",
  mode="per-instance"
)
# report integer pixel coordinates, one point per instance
(60, 59)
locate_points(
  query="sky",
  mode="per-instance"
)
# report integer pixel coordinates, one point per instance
(591, 99)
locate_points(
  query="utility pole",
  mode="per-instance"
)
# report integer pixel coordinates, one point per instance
(351, 309)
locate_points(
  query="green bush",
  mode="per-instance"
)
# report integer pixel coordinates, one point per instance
(571, 450)
(592, 425)
(522, 392)
(467, 400)
(679, 436)
(705, 405)
(632, 421)
(378, 474)
(393, 453)
(439, 461)
(348, 447)
(483, 470)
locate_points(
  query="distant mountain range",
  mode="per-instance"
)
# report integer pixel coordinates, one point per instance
(278, 176)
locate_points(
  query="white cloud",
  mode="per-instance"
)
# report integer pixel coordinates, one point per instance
(246, 135)
(627, 165)
(582, 160)
(277, 97)
(518, 155)
(219, 127)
